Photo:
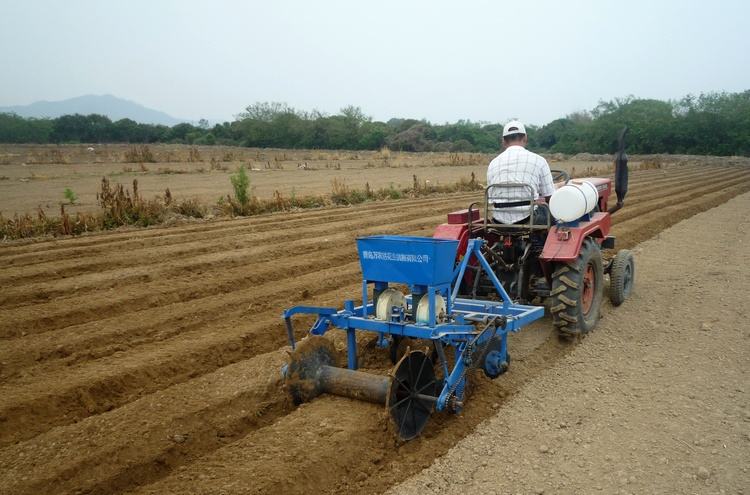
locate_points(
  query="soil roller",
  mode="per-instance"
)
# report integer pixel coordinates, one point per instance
(463, 333)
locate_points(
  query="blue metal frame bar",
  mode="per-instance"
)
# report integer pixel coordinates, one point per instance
(457, 331)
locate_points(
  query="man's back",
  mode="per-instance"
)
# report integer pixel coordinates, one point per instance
(517, 164)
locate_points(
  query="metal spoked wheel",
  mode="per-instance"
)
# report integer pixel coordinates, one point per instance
(403, 345)
(587, 296)
(412, 394)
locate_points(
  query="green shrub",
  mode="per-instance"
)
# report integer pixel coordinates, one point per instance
(240, 183)
(356, 196)
(71, 196)
(393, 193)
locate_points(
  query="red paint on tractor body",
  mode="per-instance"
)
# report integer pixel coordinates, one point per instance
(462, 216)
(564, 242)
(459, 232)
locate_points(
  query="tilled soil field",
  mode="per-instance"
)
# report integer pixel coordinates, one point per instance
(147, 361)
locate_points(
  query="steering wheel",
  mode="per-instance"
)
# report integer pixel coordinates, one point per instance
(560, 175)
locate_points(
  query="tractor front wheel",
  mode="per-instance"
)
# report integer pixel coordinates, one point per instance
(621, 277)
(577, 291)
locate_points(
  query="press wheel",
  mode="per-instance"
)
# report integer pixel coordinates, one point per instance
(412, 394)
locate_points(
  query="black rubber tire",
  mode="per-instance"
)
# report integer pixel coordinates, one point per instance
(567, 292)
(621, 277)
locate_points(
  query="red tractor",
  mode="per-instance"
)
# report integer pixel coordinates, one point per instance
(562, 261)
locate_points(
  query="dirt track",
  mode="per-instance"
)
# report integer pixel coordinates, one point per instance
(147, 360)
(655, 401)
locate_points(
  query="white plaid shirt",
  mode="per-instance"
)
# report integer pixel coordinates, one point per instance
(517, 164)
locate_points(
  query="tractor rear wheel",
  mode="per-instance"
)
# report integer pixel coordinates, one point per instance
(621, 277)
(577, 291)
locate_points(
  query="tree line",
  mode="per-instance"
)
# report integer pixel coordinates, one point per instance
(711, 123)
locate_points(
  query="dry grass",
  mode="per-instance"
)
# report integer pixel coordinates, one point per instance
(342, 194)
(139, 154)
(652, 164)
(47, 157)
(169, 170)
(118, 206)
(194, 155)
(464, 160)
(216, 165)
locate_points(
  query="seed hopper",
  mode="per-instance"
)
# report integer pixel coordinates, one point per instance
(410, 292)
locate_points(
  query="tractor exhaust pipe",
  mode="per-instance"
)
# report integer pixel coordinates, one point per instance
(621, 171)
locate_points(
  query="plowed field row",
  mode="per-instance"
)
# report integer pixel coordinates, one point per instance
(218, 254)
(151, 358)
(56, 250)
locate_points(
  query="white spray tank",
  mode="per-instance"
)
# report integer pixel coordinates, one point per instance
(573, 200)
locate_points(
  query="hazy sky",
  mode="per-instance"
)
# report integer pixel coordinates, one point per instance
(443, 61)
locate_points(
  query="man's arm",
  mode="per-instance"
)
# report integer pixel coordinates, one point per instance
(491, 171)
(546, 185)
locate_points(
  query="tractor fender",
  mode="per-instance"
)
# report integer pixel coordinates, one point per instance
(564, 241)
(459, 232)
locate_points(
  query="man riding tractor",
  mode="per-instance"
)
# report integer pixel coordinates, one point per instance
(542, 242)
(518, 165)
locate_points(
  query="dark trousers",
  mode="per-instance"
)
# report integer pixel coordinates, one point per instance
(540, 217)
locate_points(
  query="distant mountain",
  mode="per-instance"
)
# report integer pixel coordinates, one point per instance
(111, 106)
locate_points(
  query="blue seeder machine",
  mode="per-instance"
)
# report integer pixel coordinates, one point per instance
(422, 381)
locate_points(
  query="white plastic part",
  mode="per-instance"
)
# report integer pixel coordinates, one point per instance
(386, 301)
(573, 200)
(423, 309)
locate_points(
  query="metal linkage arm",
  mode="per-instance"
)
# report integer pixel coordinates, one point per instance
(475, 249)
(320, 326)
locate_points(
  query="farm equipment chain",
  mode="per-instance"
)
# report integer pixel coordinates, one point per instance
(473, 356)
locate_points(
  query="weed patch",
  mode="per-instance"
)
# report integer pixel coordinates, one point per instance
(119, 205)
(139, 154)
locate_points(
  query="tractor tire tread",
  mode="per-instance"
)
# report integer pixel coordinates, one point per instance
(566, 304)
(618, 292)
(564, 279)
(567, 301)
(557, 290)
(567, 317)
(558, 308)
(560, 271)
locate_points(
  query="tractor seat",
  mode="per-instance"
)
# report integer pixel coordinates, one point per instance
(537, 218)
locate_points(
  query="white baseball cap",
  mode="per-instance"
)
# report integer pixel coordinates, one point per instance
(513, 127)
